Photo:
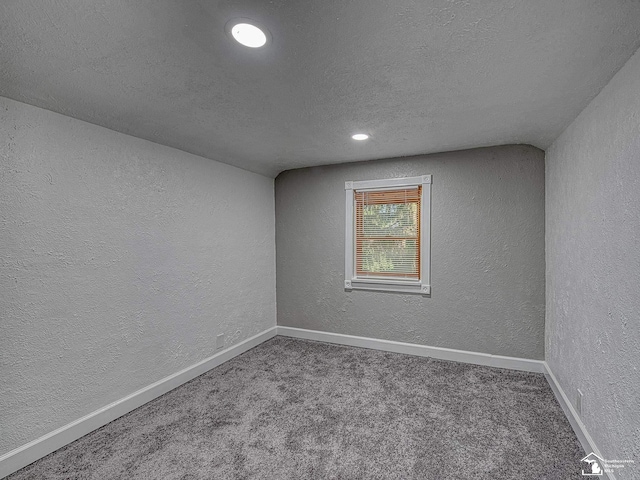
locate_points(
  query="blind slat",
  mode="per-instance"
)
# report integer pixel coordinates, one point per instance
(388, 232)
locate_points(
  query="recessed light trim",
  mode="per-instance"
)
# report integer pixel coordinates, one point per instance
(360, 136)
(246, 32)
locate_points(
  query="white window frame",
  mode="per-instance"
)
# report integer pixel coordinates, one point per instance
(351, 280)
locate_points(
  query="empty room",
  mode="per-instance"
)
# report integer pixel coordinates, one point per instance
(320, 239)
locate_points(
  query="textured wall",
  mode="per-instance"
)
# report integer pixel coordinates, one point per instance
(121, 260)
(593, 264)
(487, 253)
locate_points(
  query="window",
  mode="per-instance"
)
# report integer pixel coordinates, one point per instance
(387, 241)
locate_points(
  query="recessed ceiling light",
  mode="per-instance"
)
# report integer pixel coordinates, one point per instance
(248, 35)
(360, 136)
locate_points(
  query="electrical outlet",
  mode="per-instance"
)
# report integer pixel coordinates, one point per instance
(220, 341)
(579, 403)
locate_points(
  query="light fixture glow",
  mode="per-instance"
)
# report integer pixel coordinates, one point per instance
(248, 35)
(360, 136)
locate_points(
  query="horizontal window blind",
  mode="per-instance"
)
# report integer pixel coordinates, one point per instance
(388, 232)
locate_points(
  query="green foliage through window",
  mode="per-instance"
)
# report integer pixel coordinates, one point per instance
(388, 239)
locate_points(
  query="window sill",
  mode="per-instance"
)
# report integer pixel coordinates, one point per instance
(382, 285)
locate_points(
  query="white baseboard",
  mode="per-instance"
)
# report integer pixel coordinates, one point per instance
(463, 356)
(574, 419)
(537, 366)
(32, 451)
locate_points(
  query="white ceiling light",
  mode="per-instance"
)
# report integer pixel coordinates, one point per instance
(248, 35)
(360, 136)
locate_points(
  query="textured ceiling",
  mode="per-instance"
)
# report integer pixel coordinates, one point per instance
(418, 76)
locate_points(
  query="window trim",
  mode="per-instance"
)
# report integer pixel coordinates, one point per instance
(351, 281)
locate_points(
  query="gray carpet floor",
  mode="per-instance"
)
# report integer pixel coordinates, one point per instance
(291, 409)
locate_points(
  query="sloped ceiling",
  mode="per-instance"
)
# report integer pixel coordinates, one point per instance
(418, 76)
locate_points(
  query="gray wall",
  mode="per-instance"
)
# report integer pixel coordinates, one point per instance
(487, 253)
(593, 264)
(121, 260)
